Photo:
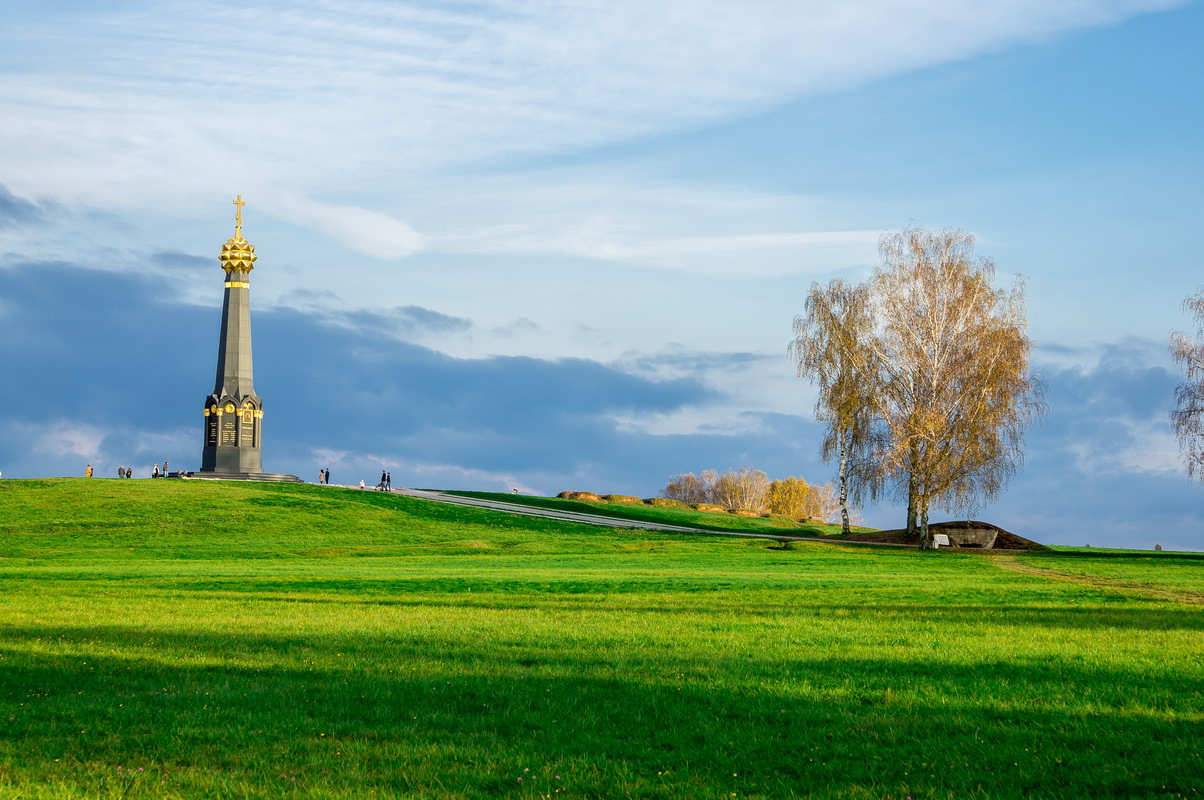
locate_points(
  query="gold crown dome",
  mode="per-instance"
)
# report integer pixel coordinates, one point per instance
(237, 253)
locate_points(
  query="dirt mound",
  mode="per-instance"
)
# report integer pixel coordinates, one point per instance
(621, 498)
(1004, 540)
(664, 502)
(742, 512)
(708, 508)
(588, 497)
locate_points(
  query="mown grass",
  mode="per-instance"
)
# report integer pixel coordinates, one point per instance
(668, 516)
(175, 639)
(1178, 572)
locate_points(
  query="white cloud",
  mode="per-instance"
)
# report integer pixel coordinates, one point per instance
(369, 232)
(66, 438)
(628, 213)
(1149, 447)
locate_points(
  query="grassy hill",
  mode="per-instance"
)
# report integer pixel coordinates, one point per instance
(194, 639)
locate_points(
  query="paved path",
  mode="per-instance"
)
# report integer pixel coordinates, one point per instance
(598, 519)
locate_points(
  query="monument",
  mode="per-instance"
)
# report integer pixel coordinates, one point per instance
(233, 412)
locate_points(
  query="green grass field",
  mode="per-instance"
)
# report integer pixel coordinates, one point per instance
(191, 639)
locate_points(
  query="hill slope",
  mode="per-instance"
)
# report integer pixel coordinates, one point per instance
(177, 639)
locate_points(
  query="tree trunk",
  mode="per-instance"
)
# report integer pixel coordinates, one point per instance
(844, 483)
(925, 539)
(911, 505)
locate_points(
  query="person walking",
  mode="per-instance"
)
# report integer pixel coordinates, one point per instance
(88, 471)
(121, 471)
(361, 484)
(388, 481)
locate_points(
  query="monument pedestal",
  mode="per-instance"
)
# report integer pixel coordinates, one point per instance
(272, 477)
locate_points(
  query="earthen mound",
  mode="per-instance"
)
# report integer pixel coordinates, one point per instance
(963, 534)
(664, 502)
(621, 498)
(588, 497)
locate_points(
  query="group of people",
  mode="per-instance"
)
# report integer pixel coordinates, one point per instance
(324, 476)
(128, 472)
(385, 485)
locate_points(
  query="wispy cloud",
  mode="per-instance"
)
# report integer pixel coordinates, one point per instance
(363, 230)
(324, 98)
(70, 438)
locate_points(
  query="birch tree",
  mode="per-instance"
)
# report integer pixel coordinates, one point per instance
(746, 489)
(953, 384)
(831, 347)
(688, 488)
(1188, 414)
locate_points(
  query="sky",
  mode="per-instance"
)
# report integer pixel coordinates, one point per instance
(560, 244)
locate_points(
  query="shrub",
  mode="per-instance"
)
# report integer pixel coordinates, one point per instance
(664, 502)
(788, 497)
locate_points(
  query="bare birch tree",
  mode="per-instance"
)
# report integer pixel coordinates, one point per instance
(686, 487)
(824, 504)
(1188, 415)
(830, 347)
(953, 383)
(746, 490)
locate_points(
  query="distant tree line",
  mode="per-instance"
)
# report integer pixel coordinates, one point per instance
(748, 489)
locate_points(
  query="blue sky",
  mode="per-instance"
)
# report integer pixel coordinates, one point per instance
(559, 245)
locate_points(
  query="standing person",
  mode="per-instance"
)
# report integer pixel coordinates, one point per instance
(88, 472)
(164, 469)
(155, 474)
(328, 476)
(129, 472)
(121, 471)
(321, 475)
(361, 484)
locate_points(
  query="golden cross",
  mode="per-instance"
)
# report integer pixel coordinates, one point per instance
(238, 217)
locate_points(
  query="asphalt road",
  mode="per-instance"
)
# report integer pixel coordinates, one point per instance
(598, 519)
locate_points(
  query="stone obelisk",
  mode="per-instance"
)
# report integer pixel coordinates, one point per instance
(233, 412)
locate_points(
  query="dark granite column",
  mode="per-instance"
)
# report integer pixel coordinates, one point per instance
(233, 412)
